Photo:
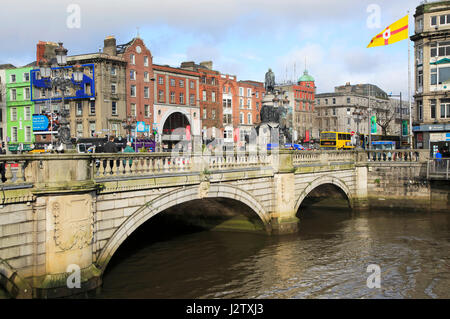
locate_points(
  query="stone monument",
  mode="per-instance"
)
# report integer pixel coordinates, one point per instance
(273, 128)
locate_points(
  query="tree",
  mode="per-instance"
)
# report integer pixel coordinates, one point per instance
(384, 119)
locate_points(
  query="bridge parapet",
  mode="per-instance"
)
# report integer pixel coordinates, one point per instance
(421, 156)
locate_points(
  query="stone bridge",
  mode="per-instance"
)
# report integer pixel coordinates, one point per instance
(77, 209)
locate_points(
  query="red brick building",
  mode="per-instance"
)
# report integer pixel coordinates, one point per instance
(210, 98)
(139, 80)
(176, 104)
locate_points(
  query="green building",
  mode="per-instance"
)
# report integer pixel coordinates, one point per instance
(19, 109)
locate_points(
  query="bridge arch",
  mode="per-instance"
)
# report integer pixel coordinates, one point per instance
(12, 282)
(171, 199)
(322, 181)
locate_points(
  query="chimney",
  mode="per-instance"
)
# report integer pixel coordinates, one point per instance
(110, 46)
(187, 65)
(45, 50)
(207, 64)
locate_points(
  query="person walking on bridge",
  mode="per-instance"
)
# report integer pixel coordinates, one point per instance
(110, 147)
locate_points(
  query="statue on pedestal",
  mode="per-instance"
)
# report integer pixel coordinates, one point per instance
(270, 81)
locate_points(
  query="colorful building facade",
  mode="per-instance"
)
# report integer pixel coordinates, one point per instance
(19, 109)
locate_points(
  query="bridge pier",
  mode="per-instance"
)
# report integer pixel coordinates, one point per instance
(283, 216)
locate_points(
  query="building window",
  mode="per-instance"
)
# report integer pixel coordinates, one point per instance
(114, 129)
(257, 94)
(145, 60)
(92, 128)
(146, 78)
(26, 93)
(204, 79)
(241, 91)
(213, 81)
(146, 92)
(113, 88)
(420, 78)
(113, 70)
(204, 96)
(14, 134)
(326, 101)
(79, 108)
(26, 77)
(172, 97)
(181, 83)
(132, 59)
(181, 98)
(79, 129)
(440, 49)
(172, 82)
(13, 94)
(433, 74)
(444, 19)
(241, 103)
(192, 99)
(114, 108)
(249, 118)
(241, 118)
(334, 111)
(27, 133)
(433, 108)
(249, 103)
(249, 92)
(348, 100)
(13, 78)
(213, 114)
(132, 75)
(133, 109)
(160, 80)
(213, 96)
(257, 106)
(419, 110)
(133, 91)
(92, 107)
(205, 114)
(27, 113)
(192, 85)
(160, 95)
(434, 21)
(334, 100)
(147, 110)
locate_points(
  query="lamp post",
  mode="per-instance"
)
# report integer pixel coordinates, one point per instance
(401, 115)
(358, 117)
(129, 125)
(61, 80)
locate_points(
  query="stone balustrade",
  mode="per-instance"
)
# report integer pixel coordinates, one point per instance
(56, 170)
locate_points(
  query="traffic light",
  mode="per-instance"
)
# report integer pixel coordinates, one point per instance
(155, 131)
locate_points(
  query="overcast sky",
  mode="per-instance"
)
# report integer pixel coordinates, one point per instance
(241, 37)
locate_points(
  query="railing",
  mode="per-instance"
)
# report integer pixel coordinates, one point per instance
(56, 170)
(439, 168)
(397, 156)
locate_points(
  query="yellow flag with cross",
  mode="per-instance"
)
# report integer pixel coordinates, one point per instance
(395, 32)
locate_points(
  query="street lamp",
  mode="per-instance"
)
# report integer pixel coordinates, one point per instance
(358, 118)
(61, 80)
(129, 125)
(401, 115)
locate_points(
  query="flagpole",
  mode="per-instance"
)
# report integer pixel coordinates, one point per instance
(411, 146)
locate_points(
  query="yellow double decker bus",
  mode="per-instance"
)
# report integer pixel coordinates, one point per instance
(336, 141)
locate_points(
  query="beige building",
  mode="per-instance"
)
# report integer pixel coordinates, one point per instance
(104, 114)
(347, 110)
(98, 106)
(432, 75)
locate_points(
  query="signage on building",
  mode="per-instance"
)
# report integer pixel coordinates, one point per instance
(373, 122)
(439, 137)
(40, 123)
(405, 128)
(140, 127)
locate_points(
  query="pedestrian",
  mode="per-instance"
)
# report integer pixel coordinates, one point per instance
(110, 147)
(128, 149)
(2, 166)
(438, 157)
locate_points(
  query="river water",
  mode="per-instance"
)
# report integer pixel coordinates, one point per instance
(328, 258)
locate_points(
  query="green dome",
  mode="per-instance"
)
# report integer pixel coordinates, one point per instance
(306, 77)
